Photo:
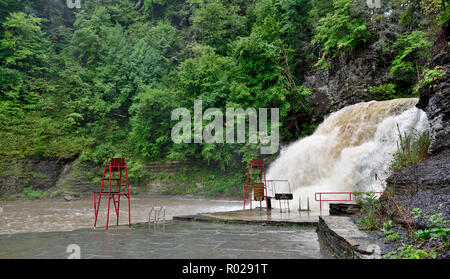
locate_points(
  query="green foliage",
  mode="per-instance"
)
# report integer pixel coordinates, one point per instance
(218, 23)
(412, 50)
(384, 91)
(292, 16)
(370, 208)
(430, 77)
(150, 132)
(102, 81)
(13, 84)
(25, 42)
(9, 6)
(389, 233)
(435, 231)
(387, 225)
(206, 181)
(258, 59)
(56, 193)
(385, 24)
(269, 63)
(320, 9)
(411, 149)
(340, 30)
(436, 11)
(163, 37)
(408, 251)
(29, 193)
(382, 215)
(211, 77)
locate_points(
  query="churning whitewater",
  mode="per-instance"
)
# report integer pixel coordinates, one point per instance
(348, 151)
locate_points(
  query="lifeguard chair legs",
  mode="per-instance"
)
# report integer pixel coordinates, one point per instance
(116, 165)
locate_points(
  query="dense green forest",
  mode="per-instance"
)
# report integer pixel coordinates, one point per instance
(101, 81)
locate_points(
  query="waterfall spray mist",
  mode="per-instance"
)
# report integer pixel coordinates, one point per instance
(350, 151)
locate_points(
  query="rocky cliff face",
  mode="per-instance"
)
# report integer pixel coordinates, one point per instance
(71, 176)
(40, 173)
(436, 101)
(430, 175)
(349, 77)
(433, 175)
(49, 174)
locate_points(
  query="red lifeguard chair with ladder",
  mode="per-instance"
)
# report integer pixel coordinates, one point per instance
(117, 165)
(257, 185)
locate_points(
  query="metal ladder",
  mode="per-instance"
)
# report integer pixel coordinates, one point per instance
(154, 216)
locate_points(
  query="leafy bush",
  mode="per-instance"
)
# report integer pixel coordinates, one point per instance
(30, 193)
(384, 91)
(430, 77)
(369, 208)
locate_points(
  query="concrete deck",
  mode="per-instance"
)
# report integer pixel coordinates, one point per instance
(256, 216)
(172, 240)
(342, 237)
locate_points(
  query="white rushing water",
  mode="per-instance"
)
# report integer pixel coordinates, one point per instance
(348, 150)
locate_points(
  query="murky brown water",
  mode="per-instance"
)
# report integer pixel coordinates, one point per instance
(59, 215)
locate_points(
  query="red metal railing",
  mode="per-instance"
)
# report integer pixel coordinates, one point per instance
(350, 196)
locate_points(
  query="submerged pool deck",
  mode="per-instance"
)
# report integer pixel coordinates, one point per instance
(338, 233)
(172, 239)
(256, 216)
(266, 234)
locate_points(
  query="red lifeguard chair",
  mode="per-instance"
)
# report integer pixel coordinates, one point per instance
(257, 186)
(117, 165)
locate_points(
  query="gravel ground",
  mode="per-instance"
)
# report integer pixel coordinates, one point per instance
(429, 204)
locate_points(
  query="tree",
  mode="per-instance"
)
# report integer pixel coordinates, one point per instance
(412, 53)
(163, 37)
(26, 46)
(150, 122)
(340, 30)
(320, 8)
(9, 6)
(218, 24)
(436, 11)
(269, 57)
(207, 76)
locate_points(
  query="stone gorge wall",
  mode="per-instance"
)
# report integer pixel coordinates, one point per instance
(348, 79)
(432, 175)
(71, 176)
(436, 101)
(16, 174)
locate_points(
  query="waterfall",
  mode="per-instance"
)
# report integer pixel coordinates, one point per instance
(348, 150)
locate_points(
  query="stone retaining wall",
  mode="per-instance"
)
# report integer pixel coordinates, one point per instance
(345, 241)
